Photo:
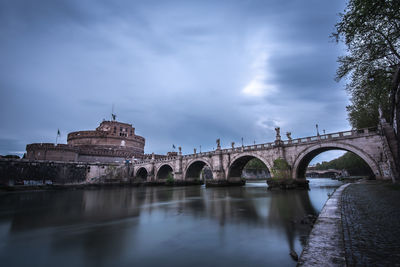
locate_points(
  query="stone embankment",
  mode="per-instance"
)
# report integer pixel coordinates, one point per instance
(358, 226)
(325, 244)
(21, 172)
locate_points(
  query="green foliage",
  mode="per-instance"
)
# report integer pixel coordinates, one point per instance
(366, 98)
(281, 169)
(371, 31)
(10, 157)
(349, 161)
(255, 164)
(170, 178)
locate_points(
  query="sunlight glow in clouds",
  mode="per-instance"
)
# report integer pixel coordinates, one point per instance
(261, 85)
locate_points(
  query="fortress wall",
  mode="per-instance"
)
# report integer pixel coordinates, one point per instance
(68, 153)
(107, 141)
(101, 159)
(111, 142)
(59, 155)
(51, 152)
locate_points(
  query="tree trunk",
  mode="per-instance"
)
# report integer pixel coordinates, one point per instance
(395, 114)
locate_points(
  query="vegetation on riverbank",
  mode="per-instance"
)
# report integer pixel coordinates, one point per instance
(350, 162)
(255, 164)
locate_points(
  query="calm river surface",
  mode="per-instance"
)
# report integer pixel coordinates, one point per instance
(158, 226)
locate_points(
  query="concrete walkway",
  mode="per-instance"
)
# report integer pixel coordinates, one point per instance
(325, 244)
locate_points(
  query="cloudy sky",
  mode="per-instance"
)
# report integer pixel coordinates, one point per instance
(182, 72)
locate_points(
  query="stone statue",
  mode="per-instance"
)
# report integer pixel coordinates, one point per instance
(380, 112)
(218, 143)
(180, 150)
(289, 135)
(278, 133)
(194, 150)
(233, 144)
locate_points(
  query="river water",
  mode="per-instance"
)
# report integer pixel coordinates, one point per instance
(158, 226)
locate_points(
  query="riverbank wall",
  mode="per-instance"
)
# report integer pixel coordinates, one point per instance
(22, 172)
(325, 245)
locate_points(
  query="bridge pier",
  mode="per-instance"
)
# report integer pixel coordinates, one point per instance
(150, 178)
(178, 174)
(217, 165)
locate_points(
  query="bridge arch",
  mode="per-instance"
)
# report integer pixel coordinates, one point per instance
(142, 173)
(239, 161)
(163, 171)
(304, 158)
(194, 167)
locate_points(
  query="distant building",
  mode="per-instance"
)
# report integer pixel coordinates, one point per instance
(112, 141)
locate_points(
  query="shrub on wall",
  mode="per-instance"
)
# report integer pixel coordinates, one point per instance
(170, 178)
(281, 169)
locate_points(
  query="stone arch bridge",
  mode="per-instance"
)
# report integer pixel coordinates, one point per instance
(227, 164)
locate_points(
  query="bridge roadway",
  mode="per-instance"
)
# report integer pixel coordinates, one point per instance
(227, 164)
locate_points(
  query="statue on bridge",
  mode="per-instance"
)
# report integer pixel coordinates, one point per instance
(278, 133)
(233, 144)
(218, 143)
(194, 151)
(289, 136)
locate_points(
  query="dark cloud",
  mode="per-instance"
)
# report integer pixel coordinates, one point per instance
(182, 72)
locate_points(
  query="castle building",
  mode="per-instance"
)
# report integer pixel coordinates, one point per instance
(112, 141)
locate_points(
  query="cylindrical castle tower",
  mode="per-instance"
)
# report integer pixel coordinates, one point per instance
(110, 134)
(112, 141)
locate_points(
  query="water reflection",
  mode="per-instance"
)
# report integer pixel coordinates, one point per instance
(152, 226)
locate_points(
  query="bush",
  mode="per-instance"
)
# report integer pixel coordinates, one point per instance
(281, 169)
(170, 178)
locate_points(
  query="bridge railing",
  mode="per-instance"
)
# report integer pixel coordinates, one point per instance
(302, 140)
(330, 136)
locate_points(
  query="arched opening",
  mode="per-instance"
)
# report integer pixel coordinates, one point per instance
(142, 174)
(198, 170)
(164, 171)
(323, 163)
(240, 169)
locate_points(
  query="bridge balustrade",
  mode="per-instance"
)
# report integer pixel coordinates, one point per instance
(272, 144)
